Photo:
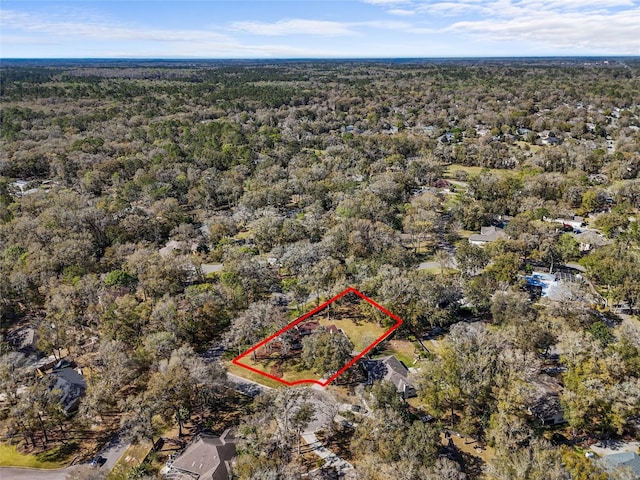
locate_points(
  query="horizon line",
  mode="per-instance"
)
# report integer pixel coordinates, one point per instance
(456, 57)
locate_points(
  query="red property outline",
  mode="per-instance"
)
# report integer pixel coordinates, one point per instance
(398, 320)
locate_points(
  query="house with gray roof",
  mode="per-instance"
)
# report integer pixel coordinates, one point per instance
(545, 406)
(392, 370)
(207, 458)
(487, 235)
(590, 239)
(70, 386)
(622, 462)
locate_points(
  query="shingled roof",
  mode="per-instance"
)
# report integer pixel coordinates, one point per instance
(208, 458)
(391, 369)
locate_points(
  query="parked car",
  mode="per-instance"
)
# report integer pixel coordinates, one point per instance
(98, 461)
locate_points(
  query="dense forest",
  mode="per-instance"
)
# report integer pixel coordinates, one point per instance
(152, 213)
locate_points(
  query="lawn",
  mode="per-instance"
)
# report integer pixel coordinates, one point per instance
(132, 457)
(403, 350)
(473, 171)
(10, 457)
(292, 373)
(437, 270)
(254, 377)
(353, 323)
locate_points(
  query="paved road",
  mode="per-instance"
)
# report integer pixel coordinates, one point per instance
(248, 387)
(35, 474)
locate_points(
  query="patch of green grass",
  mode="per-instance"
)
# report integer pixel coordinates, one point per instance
(465, 233)
(130, 459)
(292, 369)
(473, 171)
(361, 334)
(254, 377)
(60, 454)
(10, 457)
(402, 349)
(436, 270)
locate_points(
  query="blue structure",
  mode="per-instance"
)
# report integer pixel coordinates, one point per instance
(545, 281)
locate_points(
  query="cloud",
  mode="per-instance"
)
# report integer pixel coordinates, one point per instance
(573, 31)
(401, 12)
(26, 40)
(387, 2)
(294, 27)
(98, 29)
(452, 9)
(299, 26)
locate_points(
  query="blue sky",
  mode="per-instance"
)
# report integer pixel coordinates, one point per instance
(317, 28)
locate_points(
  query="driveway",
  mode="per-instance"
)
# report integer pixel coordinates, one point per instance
(113, 451)
(344, 468)
(608, 447)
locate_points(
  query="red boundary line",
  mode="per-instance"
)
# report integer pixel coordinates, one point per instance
(398, 320)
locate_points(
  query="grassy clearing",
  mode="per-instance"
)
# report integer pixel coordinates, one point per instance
(437, 270)
(433, 346)
(523, 145)
(471, 447)
(361, 334)
(131, 458)
(254, 377)
(465, 233)
(472, 171)
(10, 457)
(403, 350)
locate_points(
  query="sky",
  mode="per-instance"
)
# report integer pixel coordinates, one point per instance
(318, 28)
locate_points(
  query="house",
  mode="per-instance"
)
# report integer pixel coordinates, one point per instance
(442, 183)
(545, 406)
(628, 462)
(551, 141)
(547, 410)
(589, 240)
(207, 458)
(70, 386)
(392, 370)
(447, 138)
(307, 328)
(332, 329)
(487, 235)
